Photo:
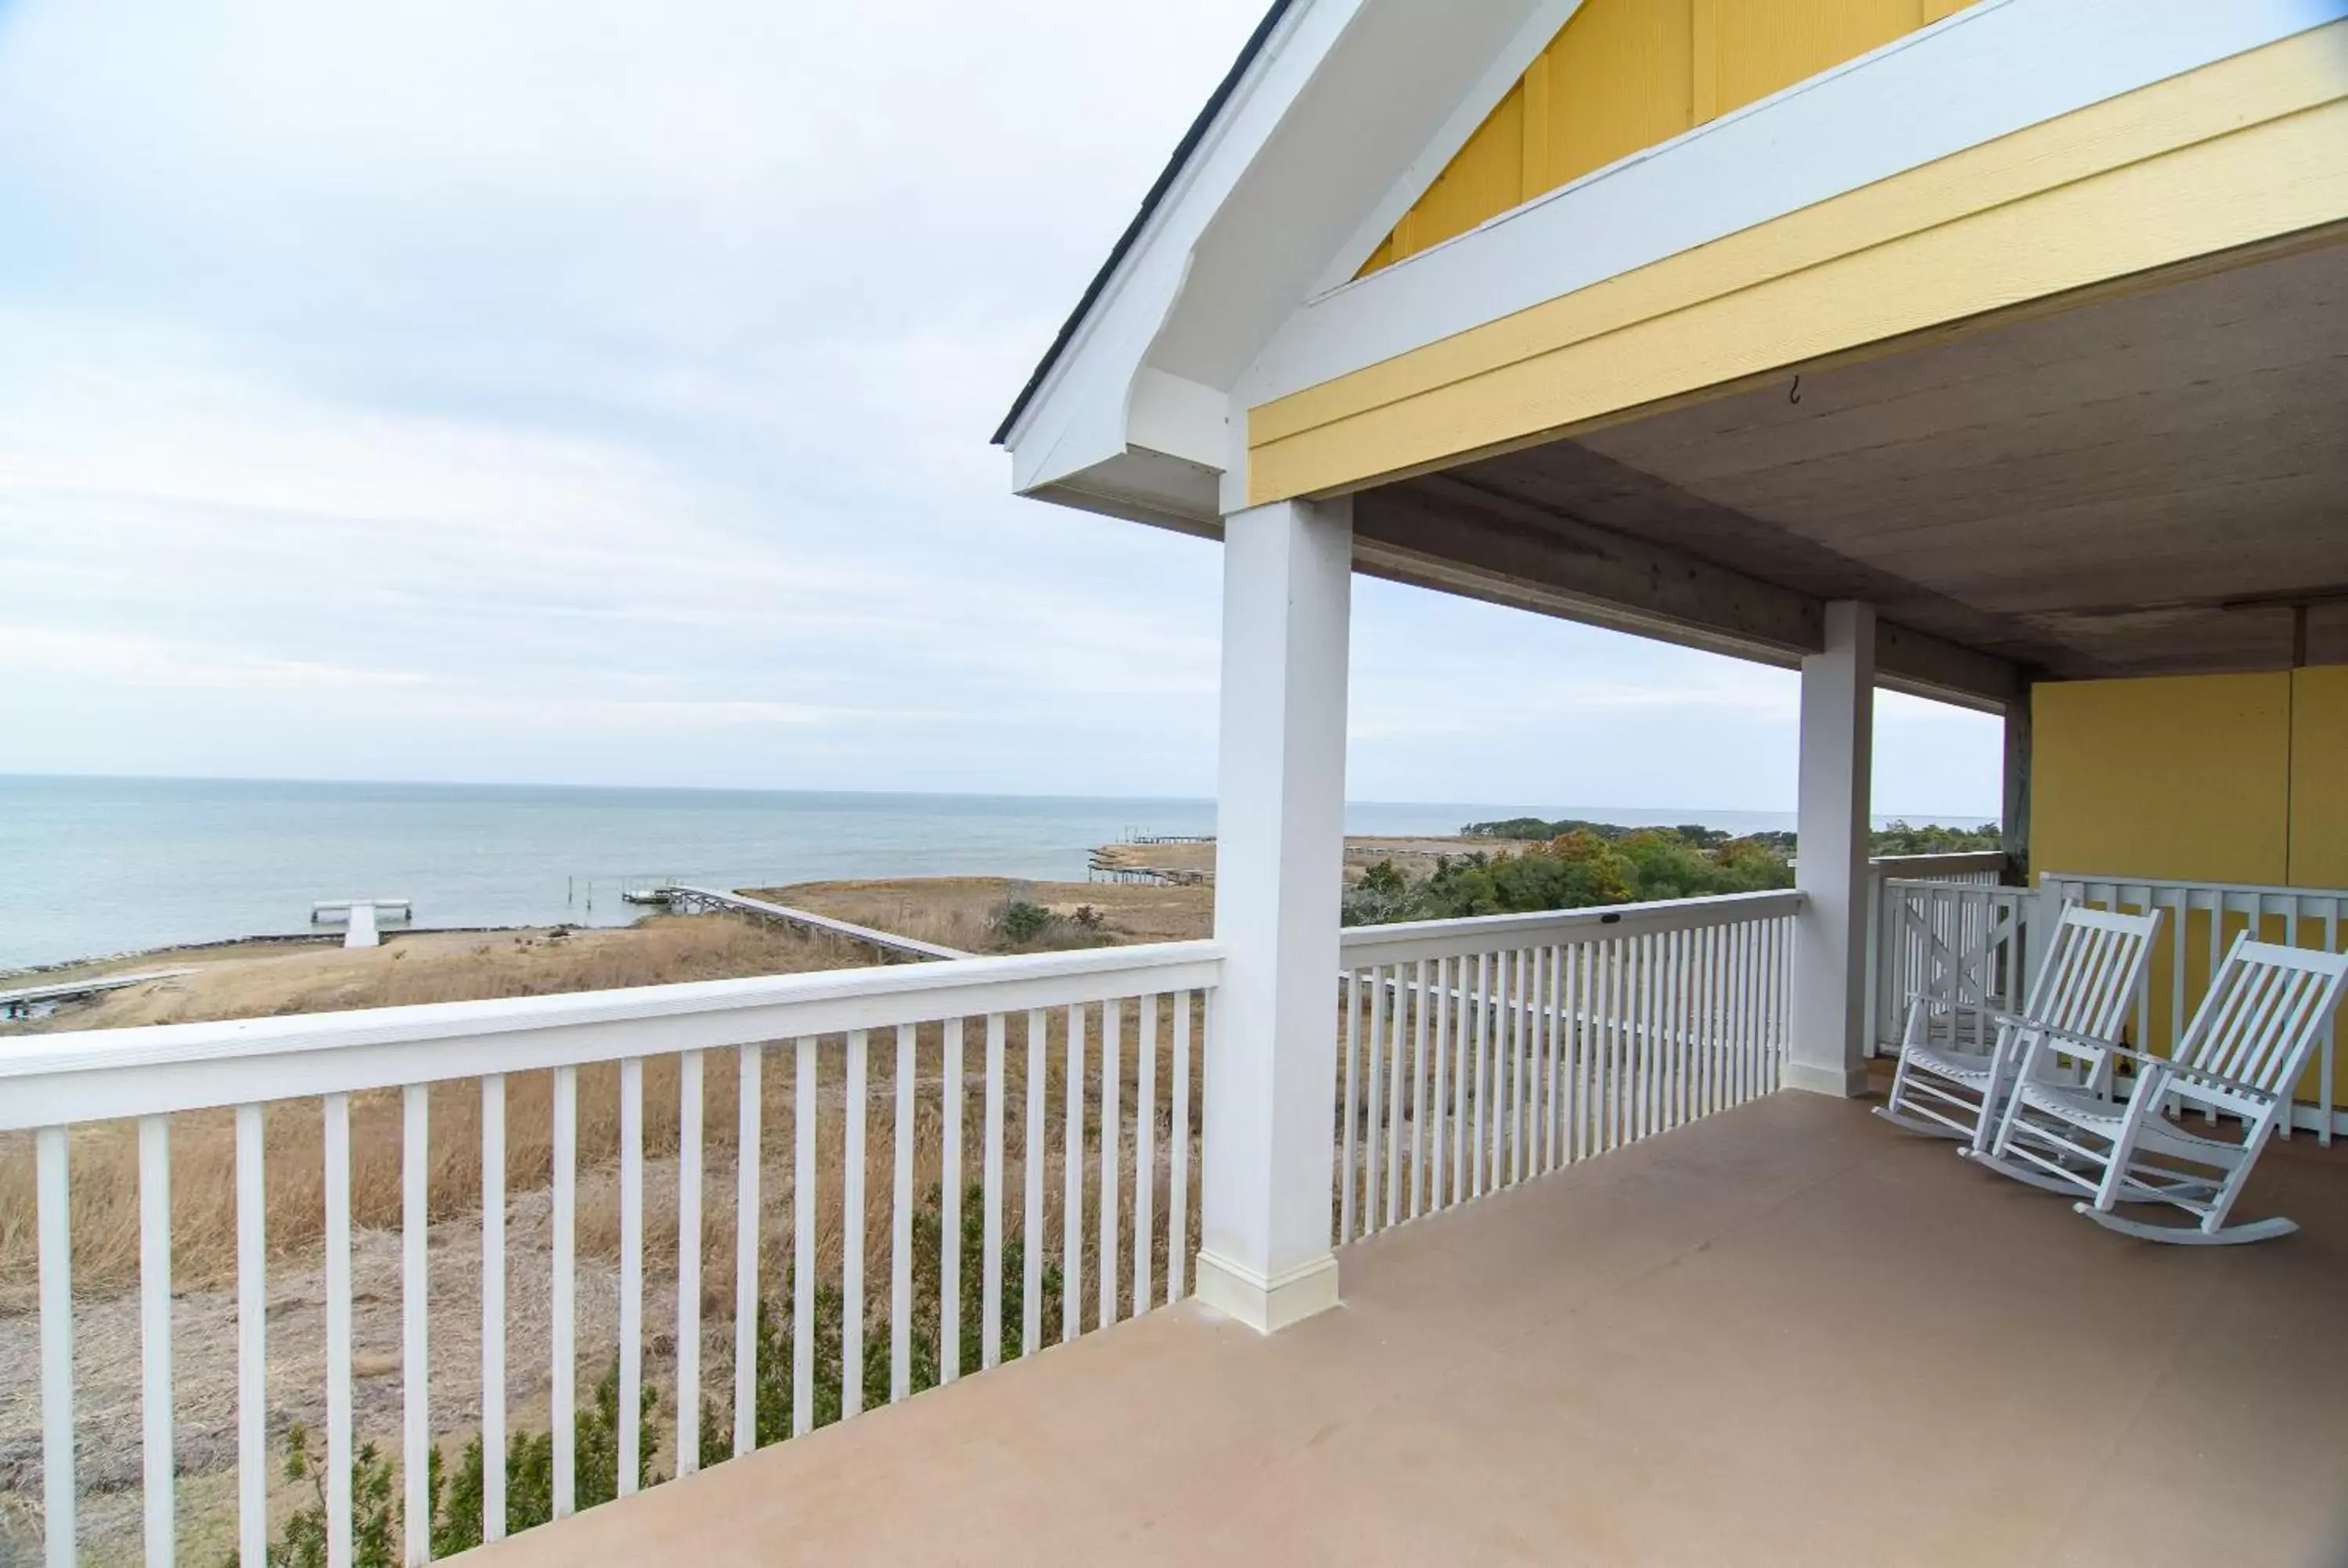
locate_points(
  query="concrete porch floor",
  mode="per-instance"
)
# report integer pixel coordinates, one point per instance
(1785, 1335)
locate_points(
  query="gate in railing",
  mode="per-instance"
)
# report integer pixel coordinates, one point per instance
(515, 1147)
(2201, 919)
(1476, 1053)
(1954, 944)
(1904, 936)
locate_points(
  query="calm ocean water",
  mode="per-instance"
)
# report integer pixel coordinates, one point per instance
(99, 866)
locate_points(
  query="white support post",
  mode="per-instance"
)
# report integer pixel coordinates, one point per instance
(1827, 1050)
(1265, 1255)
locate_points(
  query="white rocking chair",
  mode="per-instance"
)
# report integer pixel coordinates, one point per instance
(1957, 1086)
(2242, 1055)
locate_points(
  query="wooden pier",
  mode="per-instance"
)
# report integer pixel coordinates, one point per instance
(20, 1003)
(688, 900)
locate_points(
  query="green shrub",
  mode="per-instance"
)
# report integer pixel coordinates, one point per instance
(456, 1501)
(1021, 921)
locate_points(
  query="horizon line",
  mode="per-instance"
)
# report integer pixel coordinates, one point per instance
(924, 794)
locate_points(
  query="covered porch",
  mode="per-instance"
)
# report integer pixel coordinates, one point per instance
(1787, 1333)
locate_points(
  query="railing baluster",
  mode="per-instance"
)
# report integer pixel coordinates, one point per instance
(252, 1339)
(564, 1290)
(1439, 1002)
(856, 1112)
(1457, 1006)
(990, 1261)
(749, 1152)
(1652, 995)
(1483, 1061)
(493, 1306)
(803, 1324)
(949, 1206)
(1373, 1069)
(900, 1220)
(1519, 1083)
(1145, 1154)
(155, 1331)
(1550, 1025)
(1418, 1000)
(1348, 1176)
(53, 1178)
(1031, 1166)
(415, 1364)
(337, 1158)
(1112, 1127)
(1071, 1178)
(1390, 1004)
(688, 1262)
(631, 1270)
(1178, 1196)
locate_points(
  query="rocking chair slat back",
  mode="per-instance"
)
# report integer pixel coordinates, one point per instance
(2263, 1014)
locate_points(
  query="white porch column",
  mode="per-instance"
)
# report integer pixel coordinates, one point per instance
(1827, 1046)
(1266, 1173)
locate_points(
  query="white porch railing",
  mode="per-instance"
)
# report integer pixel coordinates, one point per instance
(1047, 1033)
(2201, 919)
(1476, 1053)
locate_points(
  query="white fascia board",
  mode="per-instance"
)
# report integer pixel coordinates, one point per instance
(1986, 72)
(1548, 19)
(1075, 420)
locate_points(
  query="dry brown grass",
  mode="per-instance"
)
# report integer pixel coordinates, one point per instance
(957, 911)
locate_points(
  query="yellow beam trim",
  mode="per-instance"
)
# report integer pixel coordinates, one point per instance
(2238, 151)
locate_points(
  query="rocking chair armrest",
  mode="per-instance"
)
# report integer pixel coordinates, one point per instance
(2149, 1067)
(2076, 1042)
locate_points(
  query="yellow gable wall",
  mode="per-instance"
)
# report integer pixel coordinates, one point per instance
(1622, 74)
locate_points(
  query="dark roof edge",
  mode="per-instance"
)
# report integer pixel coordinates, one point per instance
(1125, 242)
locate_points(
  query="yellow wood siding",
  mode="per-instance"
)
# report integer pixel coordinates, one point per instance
(2205, 778)
(2318, 777)
(1746, 52)
(1484, 178)
(1622, 74)
(2185, 776)
(2243, 152)
(1614, 80)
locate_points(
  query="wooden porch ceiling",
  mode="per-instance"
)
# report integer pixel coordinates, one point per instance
(2136, 486)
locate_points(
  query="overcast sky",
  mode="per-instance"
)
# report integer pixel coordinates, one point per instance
(574, 391)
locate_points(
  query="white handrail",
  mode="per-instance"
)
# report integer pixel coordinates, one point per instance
(1408, 940)
(95, 1074)
(1933, 867)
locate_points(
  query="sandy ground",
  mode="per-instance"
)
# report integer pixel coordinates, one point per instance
(265, 978)
(957, 910)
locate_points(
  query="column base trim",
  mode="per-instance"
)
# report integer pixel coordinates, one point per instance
(1267, 1305)
(1810, 1078)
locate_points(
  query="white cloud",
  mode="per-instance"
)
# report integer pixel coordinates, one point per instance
(586, 391)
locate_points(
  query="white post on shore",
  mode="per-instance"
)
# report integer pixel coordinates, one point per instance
(1264, 1257)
